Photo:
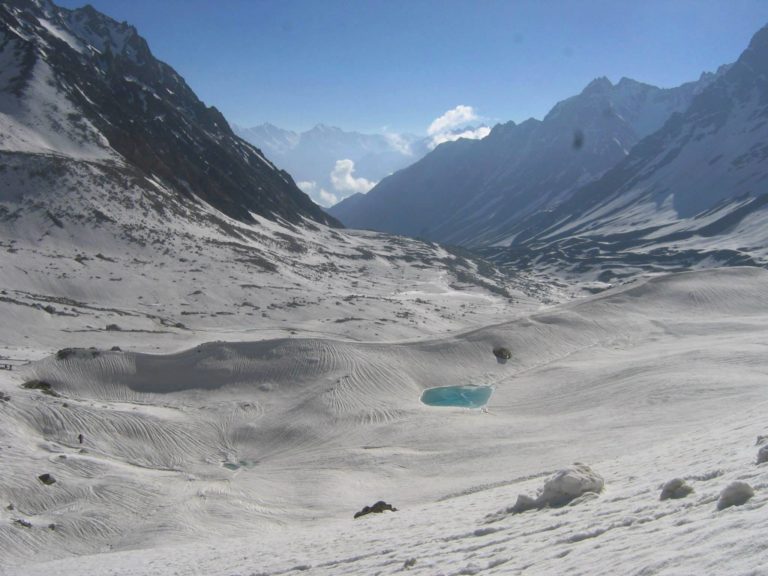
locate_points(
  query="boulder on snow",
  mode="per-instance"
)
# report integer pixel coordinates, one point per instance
(502, 354)
(735, 494)
(563, 487)
(675, 488)
(568, 484)
(47, 479)
(377, 508)
(762, 454)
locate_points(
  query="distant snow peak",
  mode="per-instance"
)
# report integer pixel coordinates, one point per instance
(601, 84)
(344, 181)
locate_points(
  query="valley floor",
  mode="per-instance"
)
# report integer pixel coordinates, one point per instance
(252, 457)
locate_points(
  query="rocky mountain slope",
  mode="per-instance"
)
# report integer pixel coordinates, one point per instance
(78, 84)
(692, 193)
(477, 192)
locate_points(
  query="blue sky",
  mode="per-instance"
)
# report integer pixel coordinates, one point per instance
(369, 64)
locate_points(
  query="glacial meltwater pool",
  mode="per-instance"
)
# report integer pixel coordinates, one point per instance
(462, 396)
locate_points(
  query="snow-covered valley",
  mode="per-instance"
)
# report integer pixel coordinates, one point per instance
(660, 379)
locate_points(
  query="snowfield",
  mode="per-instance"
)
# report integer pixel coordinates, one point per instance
(251, 457)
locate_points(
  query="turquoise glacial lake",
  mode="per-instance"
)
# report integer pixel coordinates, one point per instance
(461, 396)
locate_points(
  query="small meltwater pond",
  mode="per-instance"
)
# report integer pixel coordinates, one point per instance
(461, 396)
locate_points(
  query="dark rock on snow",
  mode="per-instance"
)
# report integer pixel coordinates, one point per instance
(377, 508)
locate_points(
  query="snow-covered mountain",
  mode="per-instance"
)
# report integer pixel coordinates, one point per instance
(209, 380)
(474, 192)
(112, 169)
(76, 83)
(692, 192)
(311, 156)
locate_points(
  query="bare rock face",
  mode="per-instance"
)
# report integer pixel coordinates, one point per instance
(735, 494)
(674, 489)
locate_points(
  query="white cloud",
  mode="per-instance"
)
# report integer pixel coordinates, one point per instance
(448, 127)
(452, 119)
(318, 194)
(471, 134)
(399, 143)
(327, 199)
(307, 186)
(344, 181)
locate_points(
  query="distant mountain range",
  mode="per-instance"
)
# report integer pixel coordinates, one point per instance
(477, 192)
(621, 176)
(313, 156)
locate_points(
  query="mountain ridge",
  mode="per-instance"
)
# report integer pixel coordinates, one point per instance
(125, 106)
(476, 192)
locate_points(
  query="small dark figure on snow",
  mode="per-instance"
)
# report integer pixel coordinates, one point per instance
(80, 438)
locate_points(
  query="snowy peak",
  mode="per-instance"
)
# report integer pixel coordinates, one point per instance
(751, 69)
(324, 129)
(268, 137)
(107, 35)
(597, 86)
(84, 29)
(643, 107)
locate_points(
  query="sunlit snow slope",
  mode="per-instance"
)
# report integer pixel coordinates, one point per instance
(286, 439)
